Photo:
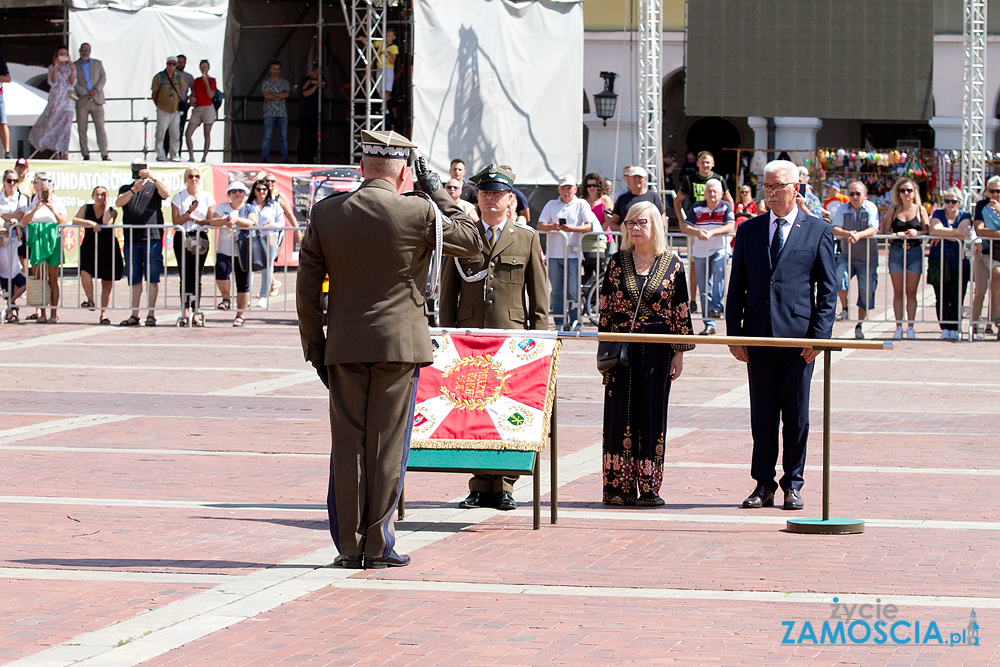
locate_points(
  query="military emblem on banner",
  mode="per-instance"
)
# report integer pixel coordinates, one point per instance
(525, 348)
(486, 392)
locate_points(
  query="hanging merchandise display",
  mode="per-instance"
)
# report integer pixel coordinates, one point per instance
(879, 169)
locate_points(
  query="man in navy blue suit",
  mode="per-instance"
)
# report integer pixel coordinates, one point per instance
(782, 285)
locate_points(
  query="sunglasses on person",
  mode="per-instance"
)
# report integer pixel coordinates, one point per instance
(452, 187)
(906, 190)
(992, 191)
(854, 194)
(640, 223)
(260, 189)
(10, 180)
(591, 185)
(194, 176)
(950, 201)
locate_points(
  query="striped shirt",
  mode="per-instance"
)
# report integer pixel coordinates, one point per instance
(703, 217)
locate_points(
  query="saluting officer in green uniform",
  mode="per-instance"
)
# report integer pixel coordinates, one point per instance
(503, 287)
(376, 246)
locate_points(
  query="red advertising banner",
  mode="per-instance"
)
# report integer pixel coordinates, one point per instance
(304, 185)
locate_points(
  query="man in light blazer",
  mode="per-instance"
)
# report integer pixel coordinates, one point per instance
(376, 246)
(89, 89)
(782, 285)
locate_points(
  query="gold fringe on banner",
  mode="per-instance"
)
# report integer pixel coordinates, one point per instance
(501, 445)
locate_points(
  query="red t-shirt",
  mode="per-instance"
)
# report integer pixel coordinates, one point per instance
(203, 97)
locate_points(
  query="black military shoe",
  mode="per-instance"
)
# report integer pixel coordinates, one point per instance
(392, 560)
(349, 562)
(476, 500)
(505, 501)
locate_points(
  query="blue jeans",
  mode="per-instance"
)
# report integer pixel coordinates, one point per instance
(570, 290)
(711, 274)
(867, 277)
(914, 259)
(143, 256)
(268, 275)
(269, 123)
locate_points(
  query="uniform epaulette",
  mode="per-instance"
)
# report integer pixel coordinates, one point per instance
(524, 225)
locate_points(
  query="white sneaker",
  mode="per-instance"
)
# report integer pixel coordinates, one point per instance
(843, 315)
(262, 302)
(275, 284)
(899, 334)
(910, 333)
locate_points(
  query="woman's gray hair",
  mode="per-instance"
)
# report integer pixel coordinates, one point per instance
(649, 211)
(993, 182)
(787, 171)
(952, 193)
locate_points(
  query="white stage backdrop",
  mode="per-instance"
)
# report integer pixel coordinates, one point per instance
(134, 45)
(500, 80)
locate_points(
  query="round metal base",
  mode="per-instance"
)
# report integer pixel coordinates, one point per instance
(826, 527)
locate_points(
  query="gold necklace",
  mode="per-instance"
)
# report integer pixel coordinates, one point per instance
(644, 265)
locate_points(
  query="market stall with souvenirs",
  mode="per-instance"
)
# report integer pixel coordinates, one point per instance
(878, 170)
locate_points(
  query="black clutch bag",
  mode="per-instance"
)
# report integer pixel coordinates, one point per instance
(611, 356)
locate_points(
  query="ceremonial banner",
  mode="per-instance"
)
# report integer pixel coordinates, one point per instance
(486, 392)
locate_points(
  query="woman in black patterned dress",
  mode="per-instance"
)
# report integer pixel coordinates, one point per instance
(635, 398)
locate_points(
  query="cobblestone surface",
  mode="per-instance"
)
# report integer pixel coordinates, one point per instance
(183, 453)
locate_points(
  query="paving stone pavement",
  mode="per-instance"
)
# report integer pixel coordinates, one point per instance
(163, 504)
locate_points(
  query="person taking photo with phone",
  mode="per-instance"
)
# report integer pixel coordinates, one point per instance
(566, 218)
(141, 202)
(191, 207)
(42, 216)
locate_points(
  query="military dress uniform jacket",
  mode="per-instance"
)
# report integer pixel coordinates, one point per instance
(511, 295)
(376, 247)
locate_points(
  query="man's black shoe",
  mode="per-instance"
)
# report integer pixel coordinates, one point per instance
(793, 501)
(760, 497)
(505, 501)
(476, 500)
(349, 562)
(392, 560)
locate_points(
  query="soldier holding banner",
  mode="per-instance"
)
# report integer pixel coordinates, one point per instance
(375, 246)
(501, 288)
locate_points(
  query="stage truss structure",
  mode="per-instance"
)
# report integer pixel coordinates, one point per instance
(366, 22)
(650, 107)
(974, 101)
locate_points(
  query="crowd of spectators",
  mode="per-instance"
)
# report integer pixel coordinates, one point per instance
(76, 90)
(34, 221)
(708, 216)
(576, 227)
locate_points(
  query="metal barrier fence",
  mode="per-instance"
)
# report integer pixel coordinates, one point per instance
(140, 254)
(955, 275)
(959, 274)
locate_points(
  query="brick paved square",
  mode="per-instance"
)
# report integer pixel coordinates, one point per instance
(116, 464)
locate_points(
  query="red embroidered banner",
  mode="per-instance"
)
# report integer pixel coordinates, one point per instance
(486, 392)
